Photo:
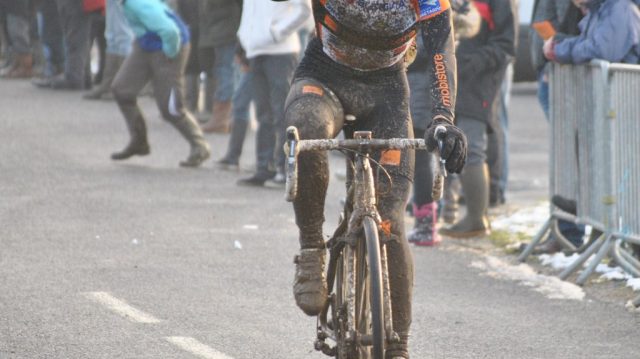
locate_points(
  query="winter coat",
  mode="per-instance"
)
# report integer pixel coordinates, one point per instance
(270, 28)
(547, 14)
(156, 26)
(219, 22)
(483, 59)
(610, 31)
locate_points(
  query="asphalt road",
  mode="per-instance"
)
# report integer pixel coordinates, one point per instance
(143, 259)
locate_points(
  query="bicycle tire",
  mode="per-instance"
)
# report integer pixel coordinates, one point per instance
(375, 293)
(340, 316)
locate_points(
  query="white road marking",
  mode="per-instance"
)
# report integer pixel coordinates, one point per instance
(196, 348)
(121, 307)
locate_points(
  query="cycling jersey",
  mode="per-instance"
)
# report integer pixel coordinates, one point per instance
(371, 34)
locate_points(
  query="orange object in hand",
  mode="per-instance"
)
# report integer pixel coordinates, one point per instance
(545, 29)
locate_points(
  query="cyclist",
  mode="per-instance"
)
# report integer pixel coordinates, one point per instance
(354, 66)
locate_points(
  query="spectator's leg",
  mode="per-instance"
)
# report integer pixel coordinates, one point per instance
(133, 75)
(223, 71)
(475, 183)
(543, 92)
(18, 27)
(52, 38)
(265, 136)
(168, 89)
(241, 101)
(76, 28)
(279, 70)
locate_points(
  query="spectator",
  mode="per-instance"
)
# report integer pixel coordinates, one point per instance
(268, 33)
(551, 17)
(119, 37)
(17, 18)
(218, 27)
(482, 61)
(610, 31)
(159, 55)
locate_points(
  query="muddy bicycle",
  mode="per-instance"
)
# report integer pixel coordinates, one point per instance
(356, 322)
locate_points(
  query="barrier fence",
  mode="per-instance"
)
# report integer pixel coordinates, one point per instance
(595, 160)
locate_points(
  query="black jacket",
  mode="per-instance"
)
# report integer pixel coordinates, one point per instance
(482, 60)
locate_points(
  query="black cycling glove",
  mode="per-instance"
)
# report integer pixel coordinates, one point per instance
(454, 144)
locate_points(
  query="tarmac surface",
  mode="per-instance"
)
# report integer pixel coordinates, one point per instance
(143, 259)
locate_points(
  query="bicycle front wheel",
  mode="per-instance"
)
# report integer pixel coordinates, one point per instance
(372, 317)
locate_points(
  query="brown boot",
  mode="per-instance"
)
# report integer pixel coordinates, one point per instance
(221, 118)
(22, 67)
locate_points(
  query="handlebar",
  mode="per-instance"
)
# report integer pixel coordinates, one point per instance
(294, 146)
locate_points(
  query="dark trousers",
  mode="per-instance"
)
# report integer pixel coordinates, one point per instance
(52, 36)
(76, 29)
(270, 81)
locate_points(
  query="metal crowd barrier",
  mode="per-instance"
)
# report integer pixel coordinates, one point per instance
(595, 159)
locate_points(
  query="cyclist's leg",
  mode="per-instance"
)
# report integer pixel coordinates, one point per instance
(317, 114)
(391, 119)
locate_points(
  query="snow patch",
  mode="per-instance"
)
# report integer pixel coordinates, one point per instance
(557, 260)
(551, 287)
(561, 261)
(526, 221)
(634, 283)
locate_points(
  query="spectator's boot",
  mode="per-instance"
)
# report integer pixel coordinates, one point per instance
(220, 118)
(22, 68)
(111, 67)
(200, 150)
(310, 283)
(138, 145)
(424, 231)
(475, 184)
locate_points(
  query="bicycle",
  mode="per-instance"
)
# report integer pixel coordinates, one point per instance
(356, 319)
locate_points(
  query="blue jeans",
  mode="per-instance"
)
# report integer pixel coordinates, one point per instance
(543, 92)
(240, 106)
(271, 77)
(76, 26)
(51, 35)
(117, 32)
(223, 72)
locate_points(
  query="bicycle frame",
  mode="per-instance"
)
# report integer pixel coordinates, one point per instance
(361, 203)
